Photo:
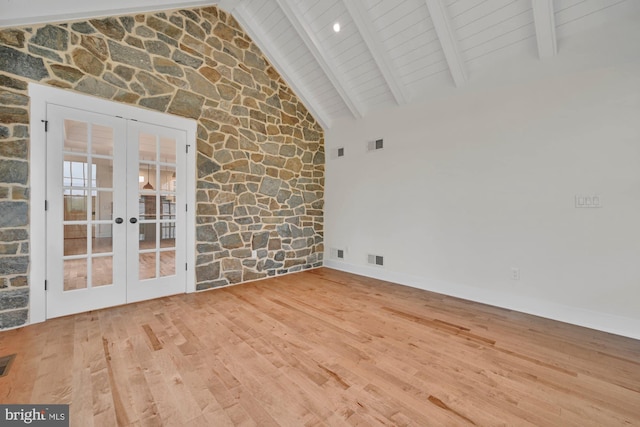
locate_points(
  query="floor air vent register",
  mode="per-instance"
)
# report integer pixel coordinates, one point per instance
(5, 364)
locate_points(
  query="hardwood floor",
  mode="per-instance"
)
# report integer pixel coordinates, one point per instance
(322, 348)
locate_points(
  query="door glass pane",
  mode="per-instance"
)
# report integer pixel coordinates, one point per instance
(148, 183)
(147, 207)
(167, 263)
(148, 147)
(102, 271)
(76, 136)
(167, 208)
(147, 265)
(103, 205)
(75, 205)
(168, 235)
(168, 179)
(75, 274)
(167, 150)
(75, 239)
(101, 239)
(103, 168)
(147, 236)
(102, 140)
(77, 173)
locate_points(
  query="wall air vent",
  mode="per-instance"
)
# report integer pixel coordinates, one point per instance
(378, 144)
(375, 260)
(336, 153)
(337, 253)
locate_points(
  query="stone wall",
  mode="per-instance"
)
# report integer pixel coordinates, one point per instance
(260, 153)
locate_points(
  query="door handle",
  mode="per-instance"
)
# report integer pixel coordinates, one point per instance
(133, 220)
(119, 220)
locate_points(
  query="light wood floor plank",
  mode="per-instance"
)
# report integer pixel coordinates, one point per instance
(322, 348)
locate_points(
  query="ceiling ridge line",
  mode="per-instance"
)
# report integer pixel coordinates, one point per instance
(380, 57)
(314, 47)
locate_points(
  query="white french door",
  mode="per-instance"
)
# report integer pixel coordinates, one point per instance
(114, 232)
(156, 227)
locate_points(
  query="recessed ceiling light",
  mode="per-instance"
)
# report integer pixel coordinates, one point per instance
(336, 27)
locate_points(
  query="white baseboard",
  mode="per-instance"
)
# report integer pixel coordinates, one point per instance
(605, 322)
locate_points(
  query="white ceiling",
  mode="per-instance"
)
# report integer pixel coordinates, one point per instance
(389, 52)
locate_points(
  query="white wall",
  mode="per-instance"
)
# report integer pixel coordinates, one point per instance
(470, 185)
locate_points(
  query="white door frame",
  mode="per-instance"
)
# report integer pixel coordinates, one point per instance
(41, 96)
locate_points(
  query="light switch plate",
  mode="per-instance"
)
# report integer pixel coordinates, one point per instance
(588, 201)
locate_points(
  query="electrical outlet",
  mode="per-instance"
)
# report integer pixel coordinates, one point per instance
(254, 254)
(515, 273)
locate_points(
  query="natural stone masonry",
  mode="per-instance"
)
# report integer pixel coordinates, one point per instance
(260, 159)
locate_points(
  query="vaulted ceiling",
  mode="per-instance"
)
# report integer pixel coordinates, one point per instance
(395, 52)
(388, 52)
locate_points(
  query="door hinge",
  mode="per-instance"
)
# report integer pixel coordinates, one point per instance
(46, 205)
(186, 266)
(186, 208)
(45, 285)
(187, 147)
(46, 125)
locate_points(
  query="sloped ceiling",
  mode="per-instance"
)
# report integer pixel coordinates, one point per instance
(388, 52)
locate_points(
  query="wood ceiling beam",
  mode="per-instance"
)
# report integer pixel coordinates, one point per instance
(448, 41)
(312, 43)
(374, 43)
(545, 24)
(253, 29)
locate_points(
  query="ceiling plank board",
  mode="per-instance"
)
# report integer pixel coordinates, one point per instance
(253, 29)
(544, 20)
(448, 41)
(375, 46)
(314, 47)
